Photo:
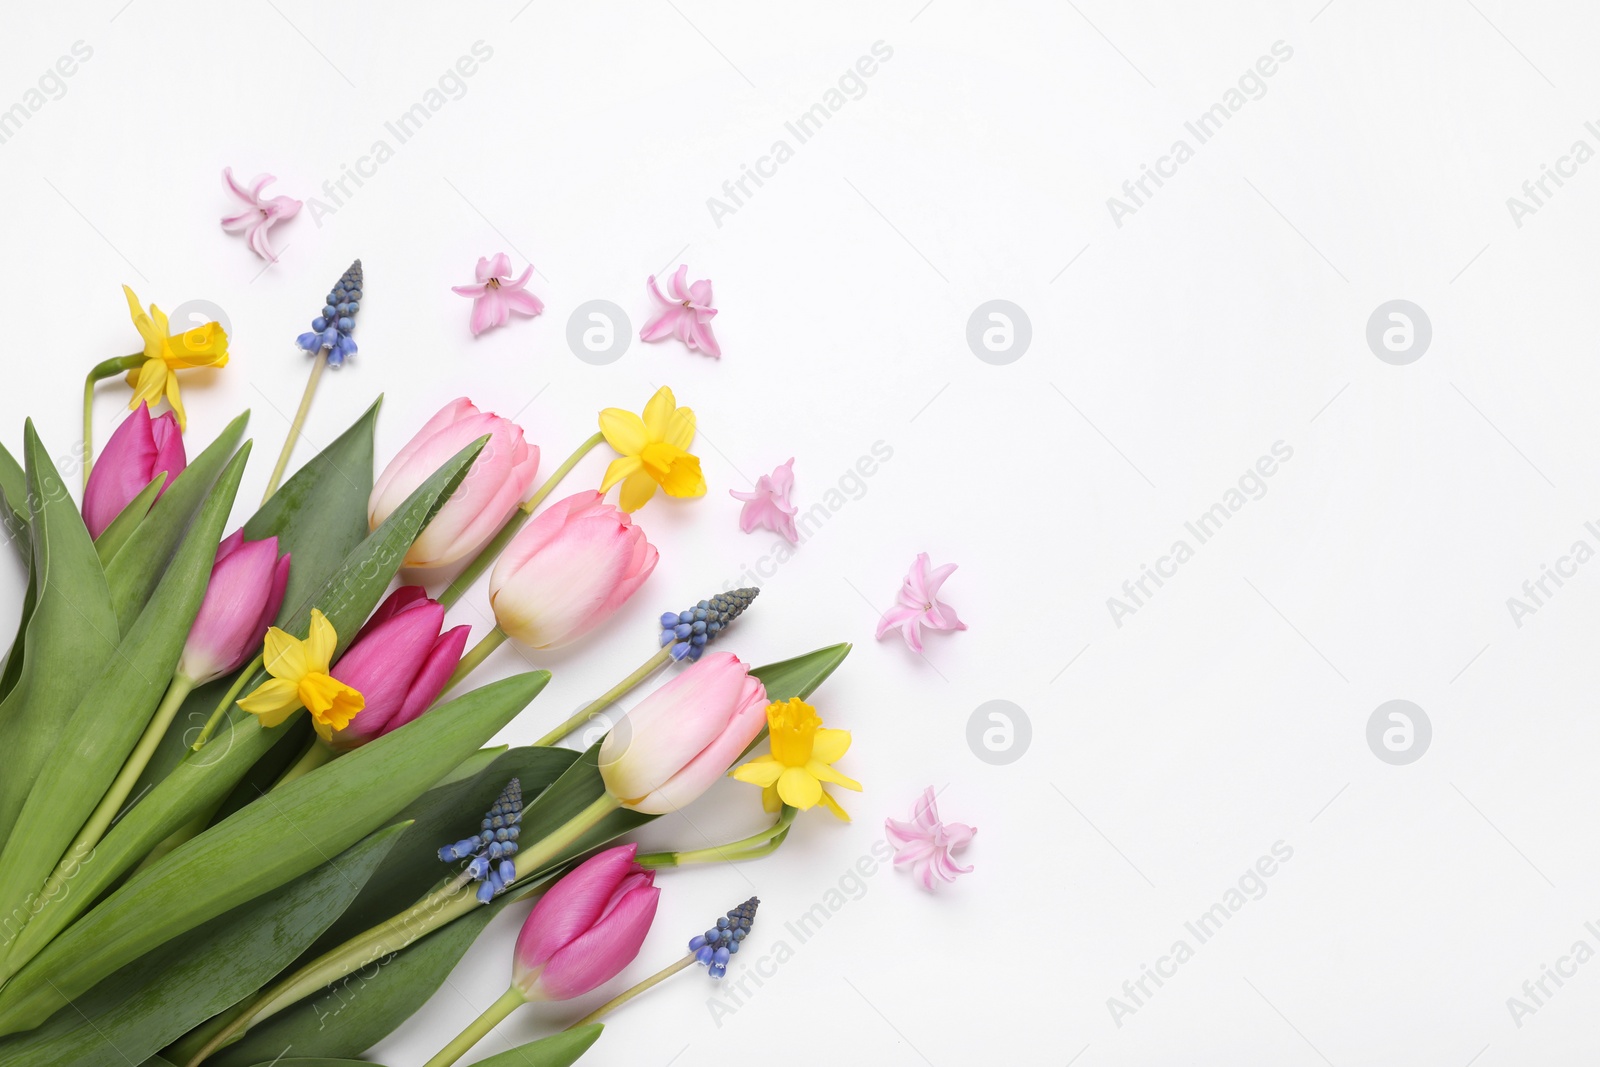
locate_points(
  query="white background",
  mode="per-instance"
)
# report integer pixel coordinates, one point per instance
(1228, 313)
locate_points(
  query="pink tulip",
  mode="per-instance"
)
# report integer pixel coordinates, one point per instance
(586, 928)
(139, 449)
(500, 477)
(682, 738)
(242, 599)
(568, 571)
(399, 662)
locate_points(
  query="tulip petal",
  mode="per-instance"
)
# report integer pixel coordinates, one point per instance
(597, 955)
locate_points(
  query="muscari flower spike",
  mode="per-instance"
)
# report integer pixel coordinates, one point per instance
(330, 331)
(689, 632)
(713, 947)
(494, 845)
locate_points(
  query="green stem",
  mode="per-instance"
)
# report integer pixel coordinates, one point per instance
(491, 551)
(476, 655)
(649, 667)
(622, 998)
(226, 702)
(117, 795)
(108, 369)
(731, 852)
(436, 909)
(315, 755)
(319, 363)
(509, 1001)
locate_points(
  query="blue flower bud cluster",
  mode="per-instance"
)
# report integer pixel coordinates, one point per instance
(713, 947)
(330, 331)
(689, 632)
(494, 845)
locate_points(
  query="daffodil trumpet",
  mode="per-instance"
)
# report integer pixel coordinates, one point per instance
(101, 371)
(497, 544)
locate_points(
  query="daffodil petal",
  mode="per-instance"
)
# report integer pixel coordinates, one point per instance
(619, 469)
(683, 478)
(833, 806)
(824, 773)
(637, 489)
(829, 745)
(150, 383)
(770, 799)
(272, 700)
(658, 414)
(175, 399)
(799, 789)
(321, 643)
(680, 430)
(284, 655)
(762, 771)
(624, 431)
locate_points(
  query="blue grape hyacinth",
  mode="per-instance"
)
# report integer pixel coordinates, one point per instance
(493, 846)
(330, 331)
(712, 948)
(689, 632)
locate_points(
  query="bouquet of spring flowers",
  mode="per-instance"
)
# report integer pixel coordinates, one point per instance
(244, 769)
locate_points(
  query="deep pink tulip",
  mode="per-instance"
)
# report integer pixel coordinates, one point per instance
(500, 477)
(586, 928)
(568, 571)
(140, 448)
(399, 662)
(682, 737)
(241, 601)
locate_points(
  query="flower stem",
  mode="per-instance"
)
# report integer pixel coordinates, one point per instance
(436, 909)
(110, 804)
(733, 851)
(315, 755)
(319, 363)
(646, 669)
(226, 702)
(476, 655)
(622, 998)
(106, 369)
(491, 551)
(509, 1001)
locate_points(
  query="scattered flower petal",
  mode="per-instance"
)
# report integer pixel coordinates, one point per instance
(925, 843)
(687, 316)
(919, 604)
(768, 504)
(496, 294)
(258, 214)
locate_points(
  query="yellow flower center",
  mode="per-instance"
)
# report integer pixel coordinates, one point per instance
(793, 726)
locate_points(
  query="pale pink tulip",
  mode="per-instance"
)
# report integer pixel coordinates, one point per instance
(399, 662)
(586, 927)
(139, 449)
(768, 505)
(687, 316)
(925, 843)
(500, 477)
(683, 737)
(241, 601)
(258, 214)
(919, 604)
(568, 571)
(496, 294)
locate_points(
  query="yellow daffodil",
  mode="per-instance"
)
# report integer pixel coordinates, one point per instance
(300, 679)
(654, 450)
(165, 354)
(800, 760)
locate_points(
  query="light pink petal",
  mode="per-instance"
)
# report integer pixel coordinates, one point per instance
(957, 835)
(283, 208)
(783, 479)
(656, 293)
(700, 337)
(926, 810)
(235, 188)
(934, 579)
(473, 291)
(381, 505)
(662, 326)
(487, 312)
(500, 266)
(259, 242)
(522, 301)
(243, 220)
(519, 281)
(676, 284)
(700, 292)
(896, 616)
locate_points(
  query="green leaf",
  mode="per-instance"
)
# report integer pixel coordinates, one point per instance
(14, 508)
(114, 536)
(143, 1007)
(557, 1050)
(111, 716)
(199, 784)
(71, 634)
(13, 667)
(133, 573)
(259, 848)
(319, 515)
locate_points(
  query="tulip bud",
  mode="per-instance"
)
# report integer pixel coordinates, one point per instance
(586, 927)
(242, 598)
(140, 448)
(681, 738)
(399, 662)
(568, 570)
(495, 484)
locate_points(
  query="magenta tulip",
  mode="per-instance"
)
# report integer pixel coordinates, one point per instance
(140, 448)
(681, 738)
(242, 599)
(568, 571)
(499, 479)
(586, 928)
(399, 662)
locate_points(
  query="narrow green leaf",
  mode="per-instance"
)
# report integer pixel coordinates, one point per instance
(71, 634)
(14, 508)
(319, 515)
(13, 667)
(557, 1050)
(199, 784)
(133, 573)
(114, 536)
(111, 716)
(284, 835)
(139, 1010)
